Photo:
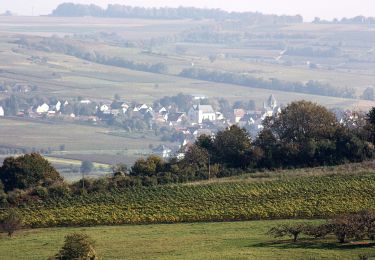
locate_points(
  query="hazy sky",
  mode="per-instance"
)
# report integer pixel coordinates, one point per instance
(308, 8)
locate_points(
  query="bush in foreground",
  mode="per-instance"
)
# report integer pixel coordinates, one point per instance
(77, 246)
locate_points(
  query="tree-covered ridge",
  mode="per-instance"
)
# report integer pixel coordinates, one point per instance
(123, 11)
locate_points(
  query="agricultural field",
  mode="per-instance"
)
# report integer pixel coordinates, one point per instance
(67, 76)
(81, 142)
(301, 197)
(236, 240)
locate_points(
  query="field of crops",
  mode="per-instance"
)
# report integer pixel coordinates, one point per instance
(295, 198)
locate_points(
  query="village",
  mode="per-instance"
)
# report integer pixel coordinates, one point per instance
(178, 120)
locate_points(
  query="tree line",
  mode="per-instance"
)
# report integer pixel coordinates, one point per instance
(244, 79)
(345, 227)
(123, 11)
(73, 49)
(304, 134)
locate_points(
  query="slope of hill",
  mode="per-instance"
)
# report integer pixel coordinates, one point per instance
(310, 197)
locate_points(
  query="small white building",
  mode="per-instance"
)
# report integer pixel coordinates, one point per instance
(85, 101)
(162, 151)
(2, 112)
(104, 108)
(200, 113)
(42, 109)
(58, 106)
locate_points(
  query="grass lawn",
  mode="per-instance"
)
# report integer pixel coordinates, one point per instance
(233, 240)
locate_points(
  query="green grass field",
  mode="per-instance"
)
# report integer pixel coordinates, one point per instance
(231, 240)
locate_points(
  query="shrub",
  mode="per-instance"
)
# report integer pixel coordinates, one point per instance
(41, 192)
(59, 189)
(11, 223)
(3, 196)
(288, 230)
(77, 246)
(319, 231)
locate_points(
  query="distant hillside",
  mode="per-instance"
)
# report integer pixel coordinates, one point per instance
(122, 11)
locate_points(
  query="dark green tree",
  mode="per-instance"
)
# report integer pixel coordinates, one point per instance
(148, 167)
(27, 171)
(232, 147)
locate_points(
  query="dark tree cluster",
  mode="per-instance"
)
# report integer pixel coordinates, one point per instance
(304, 134)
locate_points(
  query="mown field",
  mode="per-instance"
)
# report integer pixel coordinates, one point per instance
(235, 240)
(81, 142)
(311, 197)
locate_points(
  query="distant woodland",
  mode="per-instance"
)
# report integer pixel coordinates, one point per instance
(122, 11)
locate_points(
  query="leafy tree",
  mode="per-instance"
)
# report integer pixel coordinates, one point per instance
(301, 121)
(287, 230)
(77, 246)
(27, 171)
(86, 167)
(371, 116)
(232, 147)
(147, 167)
(120, 169)
(205, 142)
(3, 196)
(196, 156)
(11, 223)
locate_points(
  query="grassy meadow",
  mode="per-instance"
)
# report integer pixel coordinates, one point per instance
(229, 240)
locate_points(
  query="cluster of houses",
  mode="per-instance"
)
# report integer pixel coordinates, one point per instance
(197, 120)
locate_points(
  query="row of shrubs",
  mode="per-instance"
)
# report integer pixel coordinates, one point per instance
(345, 228)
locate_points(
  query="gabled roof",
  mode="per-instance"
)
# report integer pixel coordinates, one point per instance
(204, 108)
(118, 105)
(173, 117)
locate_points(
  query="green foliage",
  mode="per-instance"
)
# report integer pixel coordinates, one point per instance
(345, 227)
(3, 196)
(77, 246)
(306, 134)
(232, 147)
(27, 171)
(287, 230)
(147, 167)
(11, 222)
(295, 198)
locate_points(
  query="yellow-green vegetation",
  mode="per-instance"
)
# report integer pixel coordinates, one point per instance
(295, 198)
(237, 240)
